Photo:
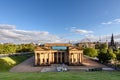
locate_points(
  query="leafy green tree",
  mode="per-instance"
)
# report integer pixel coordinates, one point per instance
(9, 48)
(102, 55)
(90, 52)
(105, 55)
(12, 48)
(25, 48)
(118, 56)
(111, 54)
(97, 46)
(103, 46)
(1, 49)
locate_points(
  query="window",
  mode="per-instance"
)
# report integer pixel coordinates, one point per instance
(38, 54)
(71, 53)
(43, 60)
(47, 61)
(59, 47)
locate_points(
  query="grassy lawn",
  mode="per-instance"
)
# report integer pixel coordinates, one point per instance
(8, 62)
(102, 75)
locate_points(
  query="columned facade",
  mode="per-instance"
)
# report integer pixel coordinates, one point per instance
(45, 55)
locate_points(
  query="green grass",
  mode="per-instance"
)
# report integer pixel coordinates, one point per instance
(8, 62)
(102, 75)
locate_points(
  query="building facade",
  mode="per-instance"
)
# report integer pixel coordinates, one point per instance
(46, 55)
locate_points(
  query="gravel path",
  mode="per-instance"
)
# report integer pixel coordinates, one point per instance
(28, 66)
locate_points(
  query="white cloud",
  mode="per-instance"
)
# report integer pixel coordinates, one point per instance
(73, 27)
(115, 21)
(81, 31)
(91, 38)
(107, 22)
(9, 33)
(103, 38)
(6, 26)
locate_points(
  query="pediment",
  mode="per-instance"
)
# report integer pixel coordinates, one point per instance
(74, 49)
(41, 49)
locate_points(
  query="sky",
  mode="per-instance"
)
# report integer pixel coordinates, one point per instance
(45, 21)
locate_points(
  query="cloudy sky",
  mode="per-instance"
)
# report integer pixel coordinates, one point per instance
(25, 21)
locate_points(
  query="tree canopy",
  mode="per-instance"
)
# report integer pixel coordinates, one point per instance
(12, 48)
(90, 52)
(105, 55)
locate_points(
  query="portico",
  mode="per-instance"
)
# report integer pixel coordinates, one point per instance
(46, 55)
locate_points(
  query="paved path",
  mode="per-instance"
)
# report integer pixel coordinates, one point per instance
(88, 64)
(28, 66)
(91, 63)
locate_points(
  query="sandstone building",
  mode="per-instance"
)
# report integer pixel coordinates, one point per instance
(46, 55)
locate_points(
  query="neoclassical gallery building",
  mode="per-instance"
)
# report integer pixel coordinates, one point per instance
(57, 53)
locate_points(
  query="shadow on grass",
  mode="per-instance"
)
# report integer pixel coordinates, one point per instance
(8, 62)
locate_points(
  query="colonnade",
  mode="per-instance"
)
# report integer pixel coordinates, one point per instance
(46, 58)
(42, 59)
(60, 57)
(75, 58)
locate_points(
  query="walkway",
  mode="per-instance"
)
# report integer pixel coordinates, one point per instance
(28, 66)
(88, 64)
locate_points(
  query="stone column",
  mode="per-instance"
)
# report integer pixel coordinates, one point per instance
(80, 57)
(57, 57)
(48, 58)
(44, 58)
(69, 58)
(73, 58)
(53, 57)
(65, 58)
(36, 59)
(77, 58)
(61, 57)
(40, 59)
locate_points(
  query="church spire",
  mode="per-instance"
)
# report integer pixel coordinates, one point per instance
(112, 41)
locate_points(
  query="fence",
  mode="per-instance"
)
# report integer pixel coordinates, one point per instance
(14, 54)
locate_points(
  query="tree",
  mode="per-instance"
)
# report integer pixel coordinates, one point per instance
(25, 48)
(103, 46)
(97, 46)
(12, 48)
(118, 56)
(1, 49)
(90, 52)
(105, 55)
(102, 55)
(110, 53)
(9, 48)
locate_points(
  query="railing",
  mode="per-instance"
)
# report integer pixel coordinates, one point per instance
(14, 54)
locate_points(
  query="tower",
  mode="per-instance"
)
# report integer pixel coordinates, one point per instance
(112, 43)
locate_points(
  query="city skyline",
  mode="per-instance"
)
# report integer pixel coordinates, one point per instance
(25, 21)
